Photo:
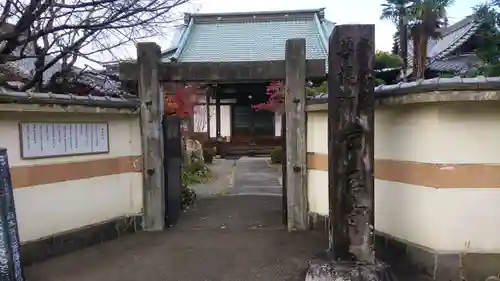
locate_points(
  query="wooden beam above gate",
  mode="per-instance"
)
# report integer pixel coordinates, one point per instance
(223, 71)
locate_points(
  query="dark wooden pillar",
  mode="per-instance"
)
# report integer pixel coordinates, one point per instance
(350, 142)
(217, 115)
(251, 117)
(172, 168)
(153, 183)
(295, 100)
(283, 168)
(207, 104)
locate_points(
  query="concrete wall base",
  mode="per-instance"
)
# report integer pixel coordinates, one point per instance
(436, 266)
(64, 243)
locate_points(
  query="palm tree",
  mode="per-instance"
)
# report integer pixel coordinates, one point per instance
(427, 17)
(397, 11)
(395, 43)
(488, 39)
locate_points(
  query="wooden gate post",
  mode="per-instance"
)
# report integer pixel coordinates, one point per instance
(153, 183)
(295, 100)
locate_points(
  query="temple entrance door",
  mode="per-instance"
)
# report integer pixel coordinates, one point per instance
(250, 124)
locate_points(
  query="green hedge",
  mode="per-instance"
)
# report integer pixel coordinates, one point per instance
(276, 156)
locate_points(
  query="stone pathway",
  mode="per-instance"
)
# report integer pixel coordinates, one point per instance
(242, 176)
(254, 176)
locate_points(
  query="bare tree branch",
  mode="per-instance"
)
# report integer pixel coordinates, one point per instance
(53, 34)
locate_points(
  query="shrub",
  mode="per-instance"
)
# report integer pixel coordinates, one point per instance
(194, 167)
(208, 154)
(188, 197)
(195, 172)
(211, 143)
(276, 156)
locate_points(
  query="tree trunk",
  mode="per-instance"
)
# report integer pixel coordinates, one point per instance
(403, 42)
(39, 64)
(416, 54)
(422, 50)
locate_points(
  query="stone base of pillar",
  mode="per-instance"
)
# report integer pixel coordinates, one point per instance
(324, 269)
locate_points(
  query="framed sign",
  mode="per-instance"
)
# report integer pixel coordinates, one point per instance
(42, 140)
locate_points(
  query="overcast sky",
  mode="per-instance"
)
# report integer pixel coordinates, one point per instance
(339, 11)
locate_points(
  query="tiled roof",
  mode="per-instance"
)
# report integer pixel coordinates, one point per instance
(245, 37)
(7, 96)
(23, 70)
(452, 38)
(427, 85)
(459, 64)
(101, 84)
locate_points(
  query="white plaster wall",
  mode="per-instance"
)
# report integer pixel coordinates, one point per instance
(317, 132)
(450, 220)
(44, 210)
(470, 132)
(465, 132)
(317, 191)
(408, 133)
(455, 133)
(455, 220)
(317, 181)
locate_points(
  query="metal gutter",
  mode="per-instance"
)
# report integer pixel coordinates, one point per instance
(326, 29)
(183, 40)
(321, 31)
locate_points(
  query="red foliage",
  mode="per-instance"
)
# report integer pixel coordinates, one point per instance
(182, 103)
(275, 92)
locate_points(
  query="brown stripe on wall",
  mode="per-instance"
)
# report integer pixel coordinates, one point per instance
(426, 174)
(317, 161)
(25, 176)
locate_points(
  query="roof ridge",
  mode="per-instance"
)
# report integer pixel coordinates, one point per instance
(321, 31)
(459, 24)
(263, 12)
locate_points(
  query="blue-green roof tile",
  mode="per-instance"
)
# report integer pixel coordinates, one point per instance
(222, 40)
(252, 41)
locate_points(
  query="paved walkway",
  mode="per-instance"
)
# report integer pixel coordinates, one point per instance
(224, 238)
(223, 170)
(254, 176)
(243, 176)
